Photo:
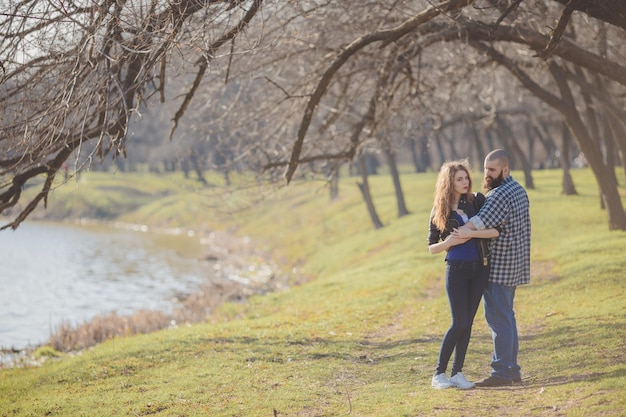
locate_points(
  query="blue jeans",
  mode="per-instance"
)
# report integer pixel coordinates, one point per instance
(465, 283)
(498, 304)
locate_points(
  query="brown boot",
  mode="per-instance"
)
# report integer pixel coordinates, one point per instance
(494, 381)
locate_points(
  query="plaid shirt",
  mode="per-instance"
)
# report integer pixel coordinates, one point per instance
(507, 206)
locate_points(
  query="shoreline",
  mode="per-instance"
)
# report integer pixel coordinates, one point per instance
(237, 270)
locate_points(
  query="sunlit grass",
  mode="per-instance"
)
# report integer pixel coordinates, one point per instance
(360, 338)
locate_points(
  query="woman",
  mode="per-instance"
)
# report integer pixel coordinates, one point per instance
(467, 269)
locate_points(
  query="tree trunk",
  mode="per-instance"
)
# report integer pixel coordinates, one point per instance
(424, 153)
(605, 179)
(414, 157)
(442, 153)
(619, 134)
(367, 196)
(610, 152)
(197, 167)
(480, 151)
(567, 185)
(451, 145)
(395, 175)
(419, 153)
(334, 183)
(594, 130)
(547, 142)
(490, 142)
(566, 105)
(531, 151)
(508, 137)
(370, 163)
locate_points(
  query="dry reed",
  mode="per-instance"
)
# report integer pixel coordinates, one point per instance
(238, 271)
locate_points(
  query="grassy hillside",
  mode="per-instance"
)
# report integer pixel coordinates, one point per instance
(361, 336)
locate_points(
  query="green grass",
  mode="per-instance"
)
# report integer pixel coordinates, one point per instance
(360, 337)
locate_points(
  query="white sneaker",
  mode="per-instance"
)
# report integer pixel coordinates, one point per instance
(441, 382)
(461, 382)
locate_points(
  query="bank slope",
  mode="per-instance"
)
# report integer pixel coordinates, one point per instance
(360, 336)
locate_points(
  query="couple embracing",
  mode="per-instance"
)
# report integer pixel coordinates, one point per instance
(487, 245)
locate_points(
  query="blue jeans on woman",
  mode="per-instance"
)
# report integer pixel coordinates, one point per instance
(465, 283)
(498, 303)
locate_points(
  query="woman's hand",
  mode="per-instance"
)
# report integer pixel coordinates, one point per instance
(454, 239)
(466, 233)
(462, 233)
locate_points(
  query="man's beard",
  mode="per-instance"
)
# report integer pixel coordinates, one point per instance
(489, 184)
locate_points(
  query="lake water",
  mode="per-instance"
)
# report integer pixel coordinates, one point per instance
(53, 273)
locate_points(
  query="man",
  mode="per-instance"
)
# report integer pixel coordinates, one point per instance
(506, 207)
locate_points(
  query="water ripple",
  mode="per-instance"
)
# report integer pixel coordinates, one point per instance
(52, 273)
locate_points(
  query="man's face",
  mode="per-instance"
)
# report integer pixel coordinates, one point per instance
(494, 175)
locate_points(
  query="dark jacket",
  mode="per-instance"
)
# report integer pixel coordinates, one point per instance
(471, 209)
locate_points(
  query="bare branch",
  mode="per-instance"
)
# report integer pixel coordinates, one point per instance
(388, 35)
(557, 33)
(204, 61)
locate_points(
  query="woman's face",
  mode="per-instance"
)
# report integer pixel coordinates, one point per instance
(461, 182)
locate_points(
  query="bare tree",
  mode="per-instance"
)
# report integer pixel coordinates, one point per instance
(490, 30)
(304, 78)
(75, 74)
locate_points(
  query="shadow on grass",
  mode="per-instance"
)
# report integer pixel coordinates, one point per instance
(567, 350)
(554, 380)
(315, 349)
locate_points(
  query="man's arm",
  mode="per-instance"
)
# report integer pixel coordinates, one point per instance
(469, 231)
(471, 226)
(492, 214)
(476, 223)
